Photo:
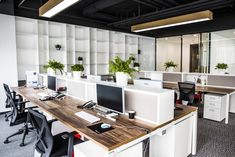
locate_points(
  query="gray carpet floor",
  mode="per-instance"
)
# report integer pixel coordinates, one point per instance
(214, 139)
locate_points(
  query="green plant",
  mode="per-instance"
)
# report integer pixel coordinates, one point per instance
(77, 67)
(119, 65)
(169, 64)
(221, 66)
(55, 66)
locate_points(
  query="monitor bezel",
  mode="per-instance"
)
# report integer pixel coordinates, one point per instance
(123, 99)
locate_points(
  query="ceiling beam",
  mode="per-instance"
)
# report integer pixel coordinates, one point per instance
(144, 3)
(174, 11)
(99, 5)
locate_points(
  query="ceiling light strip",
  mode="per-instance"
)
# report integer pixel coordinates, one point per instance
(53, 7)
(174, 21)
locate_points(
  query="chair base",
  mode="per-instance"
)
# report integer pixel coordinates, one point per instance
(24, 130)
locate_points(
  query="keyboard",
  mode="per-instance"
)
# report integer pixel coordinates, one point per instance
(42, 95)
(87, 117)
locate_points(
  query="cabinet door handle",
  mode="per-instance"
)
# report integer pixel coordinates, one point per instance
(211, 110)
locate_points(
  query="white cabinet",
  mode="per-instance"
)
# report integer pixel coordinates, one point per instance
(214, 107)
(172, 140)
(90, 149)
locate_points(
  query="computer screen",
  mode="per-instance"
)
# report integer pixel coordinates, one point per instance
(51, 82)
(110, 97)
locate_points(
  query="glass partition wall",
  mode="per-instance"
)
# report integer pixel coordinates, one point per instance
(168, 49)
(223, 50)
(190, 52)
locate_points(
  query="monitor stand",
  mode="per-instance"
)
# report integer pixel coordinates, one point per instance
(104, 111)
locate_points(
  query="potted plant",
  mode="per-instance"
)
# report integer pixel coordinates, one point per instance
(77, 70)
(121, 69)
(80, 60)
(221, 68)
(136, 66)
(53, 66)
(170, 66)
(58, 47)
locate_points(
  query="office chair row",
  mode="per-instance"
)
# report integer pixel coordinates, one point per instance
(46, 144)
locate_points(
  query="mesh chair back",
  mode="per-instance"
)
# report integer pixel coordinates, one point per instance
(44, 143)
(187, 91)
(12, 103)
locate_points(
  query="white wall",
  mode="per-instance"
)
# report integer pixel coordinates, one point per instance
(8, 59)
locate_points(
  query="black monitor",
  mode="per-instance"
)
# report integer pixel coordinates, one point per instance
(110, 97)
(51, 82)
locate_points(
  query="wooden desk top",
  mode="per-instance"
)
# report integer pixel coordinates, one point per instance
(203, 89)
(64, 110)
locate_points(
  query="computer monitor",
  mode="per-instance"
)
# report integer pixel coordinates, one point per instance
(111, 97)
(51, 82)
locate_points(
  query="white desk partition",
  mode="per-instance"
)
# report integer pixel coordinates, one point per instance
(148, 83)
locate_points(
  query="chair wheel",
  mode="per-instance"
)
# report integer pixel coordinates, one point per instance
(6, 119)
(6, 141)
(5, 115)
(22, 145)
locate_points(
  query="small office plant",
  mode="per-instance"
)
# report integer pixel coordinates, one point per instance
(221, 67)
(121, 69)
(53, 66)
(170, 66)
(136, 66)
(77, 70)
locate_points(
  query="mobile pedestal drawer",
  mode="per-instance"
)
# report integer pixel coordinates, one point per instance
(214, 107)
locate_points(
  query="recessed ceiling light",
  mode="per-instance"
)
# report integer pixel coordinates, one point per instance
(166, 38)
(234, 32)
(195, 35)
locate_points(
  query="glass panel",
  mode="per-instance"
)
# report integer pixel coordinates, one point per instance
(191, 53)
(205, 52)
(147, 51)
(168, 49)
(223, 50)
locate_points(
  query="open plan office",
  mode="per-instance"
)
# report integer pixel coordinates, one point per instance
(117, 78)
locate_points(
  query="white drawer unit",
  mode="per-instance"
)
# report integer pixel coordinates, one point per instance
(214, 107)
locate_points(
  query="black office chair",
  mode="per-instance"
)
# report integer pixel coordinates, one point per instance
(47, 144)
(18, 116)
(16, 98)
(187, 91)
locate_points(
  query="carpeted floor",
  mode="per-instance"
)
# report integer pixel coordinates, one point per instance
(214, 140)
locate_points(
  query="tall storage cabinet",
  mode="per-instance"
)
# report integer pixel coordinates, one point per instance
(37, 39)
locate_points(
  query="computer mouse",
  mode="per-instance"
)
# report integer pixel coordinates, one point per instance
(105, 126)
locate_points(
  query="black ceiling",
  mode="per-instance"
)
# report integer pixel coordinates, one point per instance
(121, 14)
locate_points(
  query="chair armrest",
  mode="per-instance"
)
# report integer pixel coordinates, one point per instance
(23, 102)
(29, 108)
(50, 122)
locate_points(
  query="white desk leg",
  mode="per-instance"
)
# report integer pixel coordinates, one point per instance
(227, 108)
(194, 136)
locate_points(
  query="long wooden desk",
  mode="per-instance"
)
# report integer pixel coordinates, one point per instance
(124, 130)
(208, 89)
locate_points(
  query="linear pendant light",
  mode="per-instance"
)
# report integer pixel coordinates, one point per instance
(53, 7)
(174, 21)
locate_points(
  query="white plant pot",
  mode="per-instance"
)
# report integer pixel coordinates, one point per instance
(170, 69)
(77, 74)
(121, 78)
(50, 71)
(137, 68)
(221, 71)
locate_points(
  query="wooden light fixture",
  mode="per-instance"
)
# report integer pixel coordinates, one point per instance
(174, 21)
(53, 7)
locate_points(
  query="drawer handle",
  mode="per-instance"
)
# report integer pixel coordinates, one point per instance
(212, 104)
(211, 110)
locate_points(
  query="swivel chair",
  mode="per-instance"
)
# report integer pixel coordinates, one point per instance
(48, 145)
